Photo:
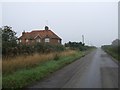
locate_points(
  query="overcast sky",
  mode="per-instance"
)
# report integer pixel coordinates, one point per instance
(97, 21)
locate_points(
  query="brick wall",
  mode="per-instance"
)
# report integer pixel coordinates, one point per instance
(52, 41)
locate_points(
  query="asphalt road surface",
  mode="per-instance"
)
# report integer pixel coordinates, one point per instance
(95, 70)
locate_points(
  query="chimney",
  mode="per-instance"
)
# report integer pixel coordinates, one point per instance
(46, 28)
(23, 32)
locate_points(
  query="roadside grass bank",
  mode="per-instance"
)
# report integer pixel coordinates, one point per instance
(113, 54)
(112, 51)
(26, 76)
(11, 65)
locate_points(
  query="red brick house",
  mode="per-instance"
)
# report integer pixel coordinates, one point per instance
(40, 36)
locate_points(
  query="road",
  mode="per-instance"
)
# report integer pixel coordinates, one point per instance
(95, 70)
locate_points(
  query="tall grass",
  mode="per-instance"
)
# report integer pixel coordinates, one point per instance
(22, 78)
(13, 64)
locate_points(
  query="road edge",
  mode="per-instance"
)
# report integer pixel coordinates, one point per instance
(113, 59)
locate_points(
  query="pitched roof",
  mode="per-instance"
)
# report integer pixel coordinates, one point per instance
(41, 33)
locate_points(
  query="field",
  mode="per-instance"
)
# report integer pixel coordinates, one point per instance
(24, 70)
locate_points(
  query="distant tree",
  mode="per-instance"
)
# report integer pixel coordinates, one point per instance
(8, 40)
(8, 35)
(76, 45)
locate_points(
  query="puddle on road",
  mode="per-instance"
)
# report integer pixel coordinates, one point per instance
(103, 55)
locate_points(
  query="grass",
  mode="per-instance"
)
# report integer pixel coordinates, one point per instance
(113, 54)
(11, 65)
(26, 76)
(113, 51)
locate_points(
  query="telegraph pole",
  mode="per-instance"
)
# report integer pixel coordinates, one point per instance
(83, 39)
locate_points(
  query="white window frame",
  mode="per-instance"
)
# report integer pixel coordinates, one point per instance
(17, 41)
(20, 40)
(27, 40)
(58, 41)
(47, 39)
(38, 40)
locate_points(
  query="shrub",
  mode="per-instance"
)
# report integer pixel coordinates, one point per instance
(56, 57)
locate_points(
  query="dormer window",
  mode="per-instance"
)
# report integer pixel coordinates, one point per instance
(38, 40)
(47, 40)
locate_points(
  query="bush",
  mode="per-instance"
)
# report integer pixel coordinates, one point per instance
(56, 57)
(77, 45)
(22, 49)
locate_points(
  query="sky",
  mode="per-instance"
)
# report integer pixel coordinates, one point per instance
(97, 21)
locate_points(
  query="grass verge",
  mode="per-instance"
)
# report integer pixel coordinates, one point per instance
(115, 55)
(24, 77)
(112, 50)
(11, 65)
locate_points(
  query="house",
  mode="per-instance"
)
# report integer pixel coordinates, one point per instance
(39, 36)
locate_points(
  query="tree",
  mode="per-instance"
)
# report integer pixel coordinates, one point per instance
(76, 45)
(8, 40)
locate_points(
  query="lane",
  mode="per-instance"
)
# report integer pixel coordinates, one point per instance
(90, 78)
(101, 73)
(95, 70)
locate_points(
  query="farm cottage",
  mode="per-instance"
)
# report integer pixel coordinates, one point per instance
(39, 36)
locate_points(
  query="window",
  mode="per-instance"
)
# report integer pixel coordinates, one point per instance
(58, 41)
(17, 41)
(26, 40)
(37, 40)
(20, 40)
(47, 40)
